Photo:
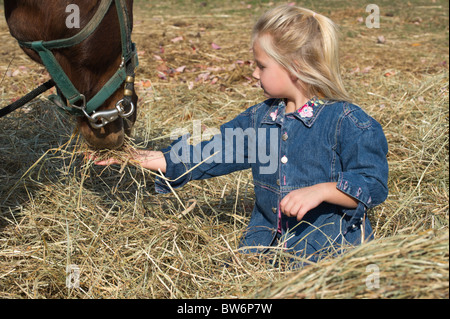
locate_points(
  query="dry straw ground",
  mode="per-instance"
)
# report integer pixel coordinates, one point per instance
(57, 209)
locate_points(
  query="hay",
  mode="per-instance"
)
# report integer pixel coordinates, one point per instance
(399, 267)
(57, 209)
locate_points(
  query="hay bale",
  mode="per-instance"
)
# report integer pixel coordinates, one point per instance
(402, 266)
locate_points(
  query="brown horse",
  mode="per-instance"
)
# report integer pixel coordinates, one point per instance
(88, 65)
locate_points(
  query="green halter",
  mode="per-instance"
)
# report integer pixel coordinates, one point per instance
(68, 90)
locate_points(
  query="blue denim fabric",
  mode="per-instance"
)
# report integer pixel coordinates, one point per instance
(329, 142)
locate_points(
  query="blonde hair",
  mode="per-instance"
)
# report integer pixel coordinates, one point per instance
(305, 43)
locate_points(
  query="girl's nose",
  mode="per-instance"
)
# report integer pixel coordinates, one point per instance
(256, 74)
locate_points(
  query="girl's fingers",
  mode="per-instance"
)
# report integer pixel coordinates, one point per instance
(290, 208)
(110, 161)
(105, 162)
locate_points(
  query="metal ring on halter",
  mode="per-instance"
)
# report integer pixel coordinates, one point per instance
(82, 107)
(121, 110)
(93, 120)
(108, 116)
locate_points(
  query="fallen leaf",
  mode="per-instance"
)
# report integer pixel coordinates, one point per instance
(162, 68)
(214, 68)
(367, 69)
(215, 46)
(180, 69)
(215, 80)
(146, 84)
(355, 70)
(162, 76)
(177, 39)
(381, 39)
(203, 77)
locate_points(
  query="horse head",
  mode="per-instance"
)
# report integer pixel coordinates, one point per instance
(94, 66)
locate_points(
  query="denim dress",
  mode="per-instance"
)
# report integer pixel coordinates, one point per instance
(324, 141)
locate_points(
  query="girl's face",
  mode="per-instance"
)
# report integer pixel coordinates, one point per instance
(275, 80)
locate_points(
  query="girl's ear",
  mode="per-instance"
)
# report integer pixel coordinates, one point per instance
(304, 88)
(294, 78)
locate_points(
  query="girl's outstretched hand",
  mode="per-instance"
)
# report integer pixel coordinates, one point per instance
(152, 160)
(106, 162)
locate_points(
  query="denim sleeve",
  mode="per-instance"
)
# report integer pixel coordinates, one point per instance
(222, 154)
(362, 150)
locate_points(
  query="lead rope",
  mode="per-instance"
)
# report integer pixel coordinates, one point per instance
(27, 98)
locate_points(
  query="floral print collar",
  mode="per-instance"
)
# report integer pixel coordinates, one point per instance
(307, 113)
(307, 110)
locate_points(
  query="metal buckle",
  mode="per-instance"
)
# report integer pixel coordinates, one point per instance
(102, 118)
(122, 114)
(108, 116)
(105, 117)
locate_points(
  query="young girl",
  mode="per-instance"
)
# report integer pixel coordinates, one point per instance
(331, 156)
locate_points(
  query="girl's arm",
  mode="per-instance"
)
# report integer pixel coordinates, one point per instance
(299, 202)
(152, 160)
